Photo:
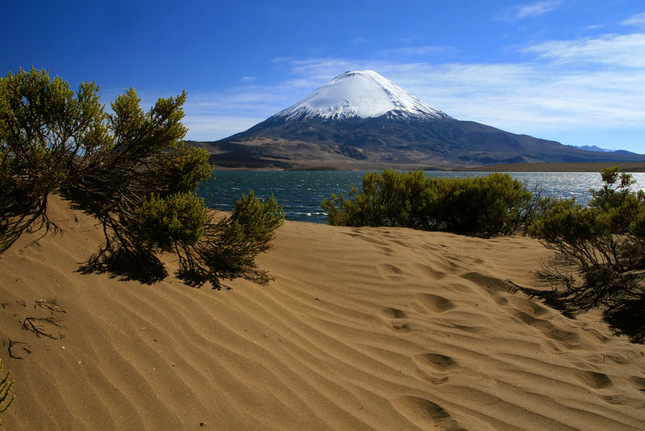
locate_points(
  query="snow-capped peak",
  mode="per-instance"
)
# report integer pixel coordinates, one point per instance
(363, 94)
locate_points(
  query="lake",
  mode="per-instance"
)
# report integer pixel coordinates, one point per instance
(301, 192)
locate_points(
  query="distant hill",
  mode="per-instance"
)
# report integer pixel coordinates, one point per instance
(363, 120)
(602, 150)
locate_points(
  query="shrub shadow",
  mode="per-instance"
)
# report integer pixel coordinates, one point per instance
(138, 265)
(627, 319)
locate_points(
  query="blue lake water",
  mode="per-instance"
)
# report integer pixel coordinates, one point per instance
(301, 192)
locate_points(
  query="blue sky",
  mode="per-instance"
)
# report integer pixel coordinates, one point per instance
(567, 70)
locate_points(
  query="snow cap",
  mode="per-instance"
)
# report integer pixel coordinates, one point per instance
(363, 94)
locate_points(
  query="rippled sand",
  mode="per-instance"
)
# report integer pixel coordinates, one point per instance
(362, 328)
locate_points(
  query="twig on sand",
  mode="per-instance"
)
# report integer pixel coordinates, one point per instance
(21, 345)
(51, 306)
(30, 324)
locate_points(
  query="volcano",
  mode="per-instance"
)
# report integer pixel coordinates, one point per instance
(363, 120)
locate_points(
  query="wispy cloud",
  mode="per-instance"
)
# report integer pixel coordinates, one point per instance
(636, 21)
(520, 12)
(611, 50)
(211, 127)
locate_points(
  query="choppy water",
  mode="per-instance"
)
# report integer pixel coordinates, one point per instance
(301, 192)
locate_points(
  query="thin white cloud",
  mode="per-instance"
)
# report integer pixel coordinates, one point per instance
(636, 21)
(611, 50)
(538, 96)
(520, 12)
(211, 127)
(595, 27)
(537, 9)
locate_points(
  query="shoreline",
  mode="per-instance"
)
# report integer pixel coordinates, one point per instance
(511, 167)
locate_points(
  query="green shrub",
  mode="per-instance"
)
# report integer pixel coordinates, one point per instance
(228, 248)
(600, 253)
(255, 221)
(44, 127)
(175, 219)
(490, 205)
(486, 206)
(582, 234)
(390, 198)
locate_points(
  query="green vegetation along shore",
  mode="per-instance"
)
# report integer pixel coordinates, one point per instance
(559, 167)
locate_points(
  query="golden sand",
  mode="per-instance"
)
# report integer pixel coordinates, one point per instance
(362, 329)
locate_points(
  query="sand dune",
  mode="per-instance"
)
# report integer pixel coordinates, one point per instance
(363, 328)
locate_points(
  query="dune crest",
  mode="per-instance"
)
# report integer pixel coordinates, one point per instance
(363, 328)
